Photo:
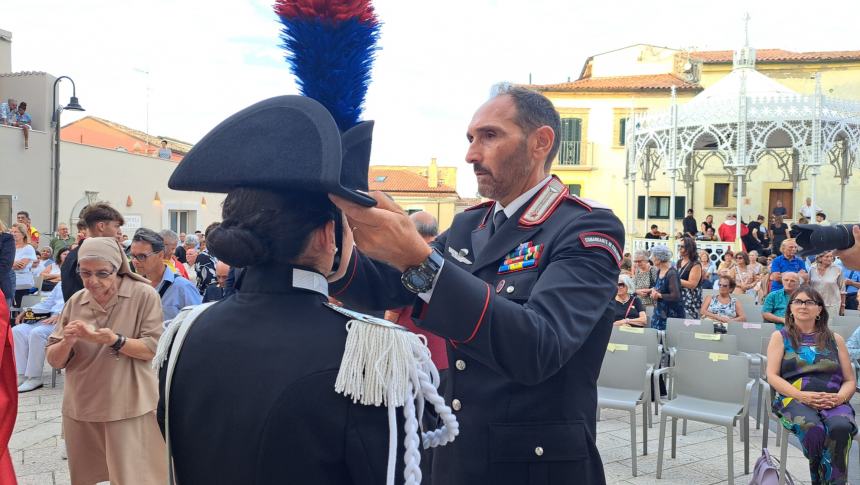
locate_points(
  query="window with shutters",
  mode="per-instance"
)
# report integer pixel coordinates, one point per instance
(570, 148)
(620, 117)
(658, 207)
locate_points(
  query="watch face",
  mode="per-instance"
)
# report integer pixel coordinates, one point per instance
(417, 280)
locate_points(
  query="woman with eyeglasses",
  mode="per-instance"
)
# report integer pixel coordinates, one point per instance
(723, 307)
(810, 371)
(105, 338)
(629, 310)
(829, 280)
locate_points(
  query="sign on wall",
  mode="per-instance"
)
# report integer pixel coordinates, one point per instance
(133, 222)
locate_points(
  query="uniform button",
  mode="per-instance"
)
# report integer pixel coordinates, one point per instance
(456, 404)
(510, 289)
(539, 451)
(461, 365)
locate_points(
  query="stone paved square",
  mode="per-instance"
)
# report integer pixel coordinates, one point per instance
(701, 456)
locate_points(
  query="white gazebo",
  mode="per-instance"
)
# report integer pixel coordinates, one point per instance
(742, 120)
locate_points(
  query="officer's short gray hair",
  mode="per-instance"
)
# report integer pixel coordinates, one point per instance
(661, 253)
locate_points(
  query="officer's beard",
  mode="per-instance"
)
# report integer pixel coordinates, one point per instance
(509, 172)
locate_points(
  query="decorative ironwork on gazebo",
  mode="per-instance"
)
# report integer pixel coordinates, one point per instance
(744, 120)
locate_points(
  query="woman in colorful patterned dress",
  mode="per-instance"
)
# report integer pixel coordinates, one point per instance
(809, 368)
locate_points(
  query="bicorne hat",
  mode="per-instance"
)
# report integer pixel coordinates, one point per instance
(282, 143)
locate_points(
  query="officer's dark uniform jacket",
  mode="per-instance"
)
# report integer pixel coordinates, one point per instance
(525, 347)
(252, 397)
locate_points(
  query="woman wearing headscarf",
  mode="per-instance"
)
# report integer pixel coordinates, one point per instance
(105, 339)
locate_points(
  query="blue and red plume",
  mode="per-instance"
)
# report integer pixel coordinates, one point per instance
(330, 48)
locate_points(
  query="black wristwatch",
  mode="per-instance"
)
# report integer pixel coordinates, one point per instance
(419, 279)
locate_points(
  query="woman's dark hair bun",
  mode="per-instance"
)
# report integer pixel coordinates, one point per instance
(261, 226)
(236, 246)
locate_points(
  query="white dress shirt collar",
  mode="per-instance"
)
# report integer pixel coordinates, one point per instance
(515, 204)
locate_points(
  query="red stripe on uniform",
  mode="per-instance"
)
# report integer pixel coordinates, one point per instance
(354, 269)
(481, 319)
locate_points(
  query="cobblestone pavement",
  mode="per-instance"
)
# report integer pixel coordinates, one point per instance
(701, 457)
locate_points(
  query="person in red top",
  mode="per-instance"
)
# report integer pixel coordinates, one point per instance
(8, 394)
(728, 230)
(428, 227)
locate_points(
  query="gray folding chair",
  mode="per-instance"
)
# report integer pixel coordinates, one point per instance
(624, 383)
(750, 336)
(708, 342)
(849, 323)
(697, 396)
(677, 326)
(844, 330)
(648, 338)
(750, 308)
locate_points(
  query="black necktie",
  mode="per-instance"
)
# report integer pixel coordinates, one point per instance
(499, 218)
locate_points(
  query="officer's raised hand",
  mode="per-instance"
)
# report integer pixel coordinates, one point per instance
(384, 233)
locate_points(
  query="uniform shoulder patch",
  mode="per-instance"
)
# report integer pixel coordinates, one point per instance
(481, 205)
(602, 241)
(544, 204)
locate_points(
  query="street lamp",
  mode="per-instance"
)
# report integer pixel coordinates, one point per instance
(73, 105)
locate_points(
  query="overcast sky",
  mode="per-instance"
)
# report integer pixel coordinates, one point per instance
(437, 63)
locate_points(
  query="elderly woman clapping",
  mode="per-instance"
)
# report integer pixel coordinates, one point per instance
(105, 339)
(629, 310)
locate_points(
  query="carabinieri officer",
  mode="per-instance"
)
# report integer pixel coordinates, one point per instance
(520, 287)
(251, 399)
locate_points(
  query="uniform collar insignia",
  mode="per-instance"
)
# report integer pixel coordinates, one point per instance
(544, 203)
(310, 280)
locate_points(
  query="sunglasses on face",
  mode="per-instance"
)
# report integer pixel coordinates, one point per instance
(805, 303)
(723, 285)
(621, 285)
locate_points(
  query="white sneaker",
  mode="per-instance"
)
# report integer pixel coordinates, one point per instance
(30, 384)
(63, 453)
(21, 379)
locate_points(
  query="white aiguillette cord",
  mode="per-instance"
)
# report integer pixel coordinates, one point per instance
(384, 363)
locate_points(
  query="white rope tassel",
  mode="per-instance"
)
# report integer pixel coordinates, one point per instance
(385, 364)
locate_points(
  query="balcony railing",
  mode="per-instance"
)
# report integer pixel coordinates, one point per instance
(576, 154)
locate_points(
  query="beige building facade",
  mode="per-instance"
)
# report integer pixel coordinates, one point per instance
(638, 79)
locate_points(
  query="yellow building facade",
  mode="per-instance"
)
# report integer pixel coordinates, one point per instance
(639, 78)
